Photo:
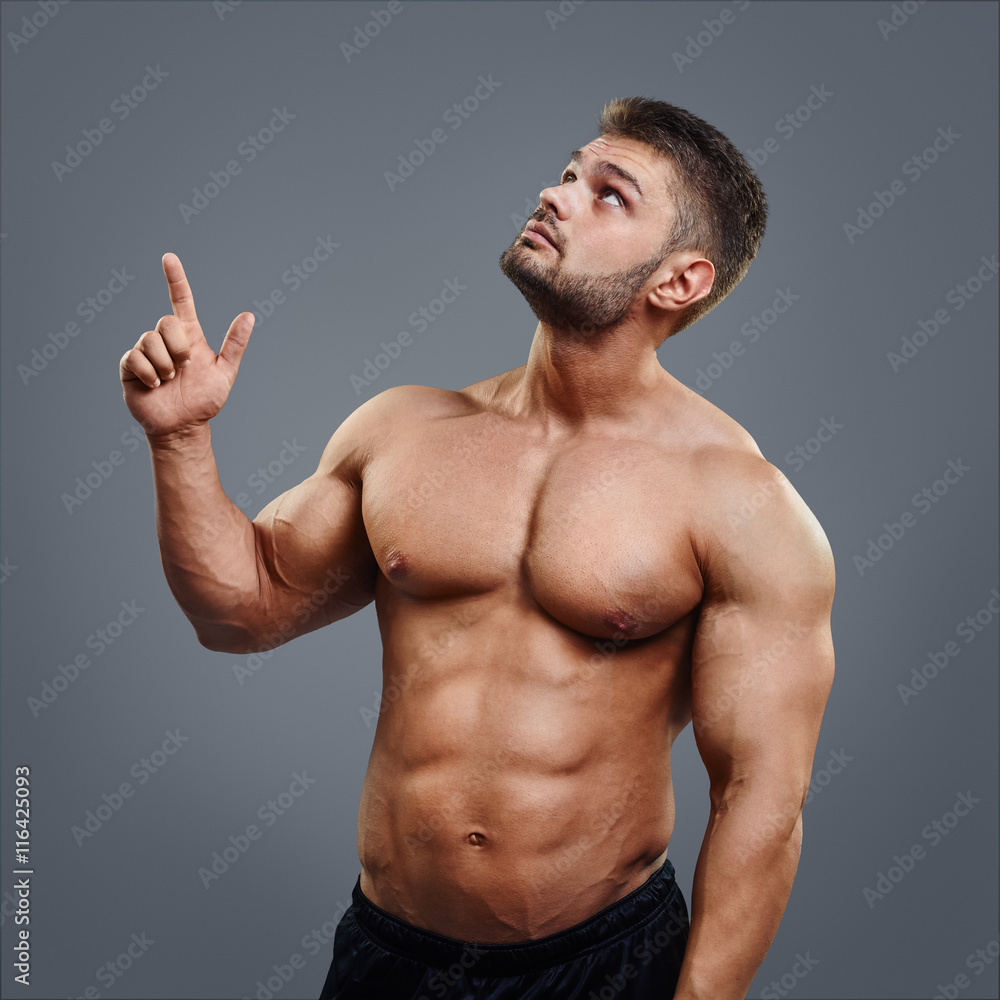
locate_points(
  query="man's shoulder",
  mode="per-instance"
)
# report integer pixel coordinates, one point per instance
(416, 403)
(367, 429)
(410, 405)
(719, 448)
(747, 509)
(398, 414)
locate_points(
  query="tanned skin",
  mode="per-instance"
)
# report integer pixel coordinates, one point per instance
(570, 562)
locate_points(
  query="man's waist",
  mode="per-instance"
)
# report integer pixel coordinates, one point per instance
(517, 943)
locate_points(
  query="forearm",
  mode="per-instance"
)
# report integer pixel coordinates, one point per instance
(741, 886)
(207, 544)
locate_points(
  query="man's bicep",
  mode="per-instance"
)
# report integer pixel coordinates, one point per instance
(762, 662)
(759, 686)
(313, 536)
(311, 540)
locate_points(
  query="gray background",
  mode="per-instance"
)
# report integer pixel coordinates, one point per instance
(66, 573)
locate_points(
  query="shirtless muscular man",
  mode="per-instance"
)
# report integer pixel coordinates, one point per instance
(570, 561)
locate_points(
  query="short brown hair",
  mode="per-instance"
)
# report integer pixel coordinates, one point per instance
(721, 208)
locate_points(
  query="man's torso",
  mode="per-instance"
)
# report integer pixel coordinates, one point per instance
(538, 597)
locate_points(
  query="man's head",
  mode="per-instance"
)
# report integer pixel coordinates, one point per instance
(660, 214)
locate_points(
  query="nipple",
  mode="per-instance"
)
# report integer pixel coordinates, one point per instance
(621, 621)
(395, 566)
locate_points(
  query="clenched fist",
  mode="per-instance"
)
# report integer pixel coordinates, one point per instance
(172, 380)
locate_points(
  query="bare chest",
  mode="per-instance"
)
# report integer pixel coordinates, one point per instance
(596, 532)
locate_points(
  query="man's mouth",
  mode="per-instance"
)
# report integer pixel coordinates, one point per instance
(538, 233)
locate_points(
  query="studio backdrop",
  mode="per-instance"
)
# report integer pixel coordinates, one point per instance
(351, 172)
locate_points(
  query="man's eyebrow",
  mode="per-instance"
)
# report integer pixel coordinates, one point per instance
(607, 167)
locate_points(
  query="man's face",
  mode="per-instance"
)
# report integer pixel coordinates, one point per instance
(587, 251)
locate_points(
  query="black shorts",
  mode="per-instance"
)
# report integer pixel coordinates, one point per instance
(631, 950)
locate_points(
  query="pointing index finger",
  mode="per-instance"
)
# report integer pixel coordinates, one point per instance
(180, 291)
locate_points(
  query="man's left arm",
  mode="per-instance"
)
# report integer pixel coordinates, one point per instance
(762, 667)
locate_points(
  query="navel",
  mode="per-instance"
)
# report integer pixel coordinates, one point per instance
(477, 839)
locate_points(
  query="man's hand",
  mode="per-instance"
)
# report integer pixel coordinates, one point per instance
(172, 380)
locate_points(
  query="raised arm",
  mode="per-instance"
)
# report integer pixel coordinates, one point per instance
(305, 561)
(762, 667)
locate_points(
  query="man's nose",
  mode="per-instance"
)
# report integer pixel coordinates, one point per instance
(557, 198)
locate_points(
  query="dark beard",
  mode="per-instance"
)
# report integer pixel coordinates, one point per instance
(583, 304)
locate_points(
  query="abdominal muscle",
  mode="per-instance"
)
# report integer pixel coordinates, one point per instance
(519, 779)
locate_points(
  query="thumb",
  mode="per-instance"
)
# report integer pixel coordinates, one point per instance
(235, 342)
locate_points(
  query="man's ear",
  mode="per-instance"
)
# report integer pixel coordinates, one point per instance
(685, 278)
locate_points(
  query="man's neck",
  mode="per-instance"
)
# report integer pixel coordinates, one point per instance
(571, 379)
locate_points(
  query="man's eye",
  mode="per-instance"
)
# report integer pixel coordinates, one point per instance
(567, 176)
(615, 195)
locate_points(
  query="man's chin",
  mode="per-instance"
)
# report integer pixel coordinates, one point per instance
(557, 314)
(521, 267)
(566, 309)
(523, 251)
(525, 274)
